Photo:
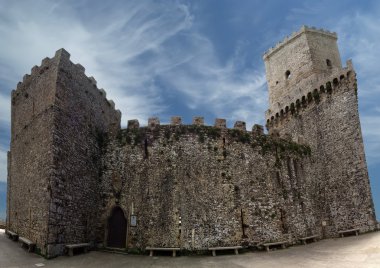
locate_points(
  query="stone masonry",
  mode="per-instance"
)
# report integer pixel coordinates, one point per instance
(75, 176)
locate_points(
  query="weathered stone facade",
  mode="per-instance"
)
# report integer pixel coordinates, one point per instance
(75, 176)
(59, 119)
(322, 111)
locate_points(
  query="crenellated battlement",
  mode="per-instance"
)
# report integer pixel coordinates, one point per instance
(220, 123)
(345, 75)
(295, 35)
(47, 64)
(171, 135)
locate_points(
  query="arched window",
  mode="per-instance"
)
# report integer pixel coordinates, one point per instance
(287, 74)
(328, 63)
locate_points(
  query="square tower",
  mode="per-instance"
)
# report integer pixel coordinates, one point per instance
(299, 62)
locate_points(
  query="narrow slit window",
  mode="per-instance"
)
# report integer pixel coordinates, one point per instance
(328, 63)
(287, 74)
(146, 149)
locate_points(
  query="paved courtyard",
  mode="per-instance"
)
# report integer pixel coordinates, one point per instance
(362, 251)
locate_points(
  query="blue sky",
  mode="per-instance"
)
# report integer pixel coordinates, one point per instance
(188, 58)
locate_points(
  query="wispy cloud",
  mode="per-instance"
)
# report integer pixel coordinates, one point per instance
(227, 90)
(106, 44)
(141, 52)
(125, 49)
(129, 49)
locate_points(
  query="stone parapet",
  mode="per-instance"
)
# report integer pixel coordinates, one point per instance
(46, 63)
(294, 35)
(197, 121)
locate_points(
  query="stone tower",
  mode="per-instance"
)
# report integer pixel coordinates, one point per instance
(59, 121)
(313, 99)
(300, 61)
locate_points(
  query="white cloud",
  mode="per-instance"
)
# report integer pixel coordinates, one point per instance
(224, 90)
(107, 45)
(126, 49)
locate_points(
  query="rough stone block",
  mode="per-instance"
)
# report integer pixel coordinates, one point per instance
(220, 123)
(118, 114)
(133, 124)
(274, 133)
(80, 67)
(25, 78)
(45, 61)
(35, 70)
(198, 120)
(176, 120)
(112, 103)
(240, 125)
(19, 85)
(257, 130)
(153, 122)
(103, 92)
(92, 79)
(62, 54)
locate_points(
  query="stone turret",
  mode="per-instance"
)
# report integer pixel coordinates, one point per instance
(295, 65)
(313, 100)
(60, 120)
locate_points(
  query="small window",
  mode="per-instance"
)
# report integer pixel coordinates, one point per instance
(276, 82)
(287, 74)
(328, 63)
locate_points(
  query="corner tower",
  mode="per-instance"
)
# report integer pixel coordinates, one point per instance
(296, 64)
(59, 122)
(314, 100)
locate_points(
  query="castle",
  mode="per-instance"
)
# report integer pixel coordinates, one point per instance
(75, 176)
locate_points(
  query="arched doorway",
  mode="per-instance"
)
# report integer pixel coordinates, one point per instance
(117, 229)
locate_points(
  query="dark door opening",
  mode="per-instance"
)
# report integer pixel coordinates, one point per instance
(117, 229)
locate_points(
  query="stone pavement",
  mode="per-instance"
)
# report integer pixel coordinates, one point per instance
(356, 252)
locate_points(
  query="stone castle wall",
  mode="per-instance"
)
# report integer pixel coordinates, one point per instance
(199, 186)
(189, 186)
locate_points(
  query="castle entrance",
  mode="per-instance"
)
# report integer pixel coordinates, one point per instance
(117, 229)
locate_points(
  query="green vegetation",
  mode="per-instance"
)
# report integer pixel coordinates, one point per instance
(204, 134)
(281, 146)
(131, 136)
(240, 136)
